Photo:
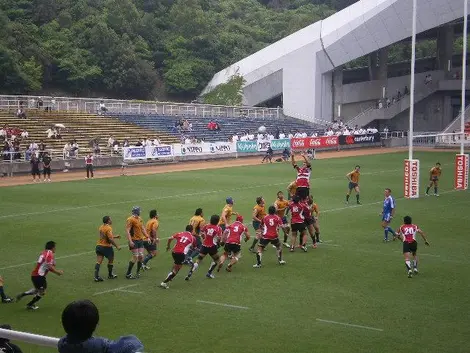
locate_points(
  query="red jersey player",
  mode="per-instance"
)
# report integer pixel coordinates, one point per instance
(407, 232)
(270, 225)
(184, 241)
(232, 238)
(211, 233)
(298, 211)
(44, 265)
(303, 177)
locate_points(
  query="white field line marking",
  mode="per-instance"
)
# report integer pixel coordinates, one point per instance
(129, 291)
(419, 254)
(166, 197)
(325, 211)
(116, 289)
(350, 325)
(222, 304)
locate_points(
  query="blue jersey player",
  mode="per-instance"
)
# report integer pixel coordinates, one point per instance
(387, 214)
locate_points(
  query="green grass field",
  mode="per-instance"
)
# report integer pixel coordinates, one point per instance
(352, 278)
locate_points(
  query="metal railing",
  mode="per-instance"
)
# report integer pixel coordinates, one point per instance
(455, 124)
(93, 105)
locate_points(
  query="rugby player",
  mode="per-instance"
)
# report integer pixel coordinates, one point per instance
(270, 235)
(151, 243)
(5, 298)
(303, 177)
(231, 241)
(291, 190)
(44, 265)
(282, 205)
(136, 234)
(104, 248)
(197, 221)
(259, 212)
(297, 225)
(227, 213)
(407, 233)
(184, 241)
(434, 175)
(211, 234)
(316, 214)
(310, 221)
(353, 178)
(387, 214)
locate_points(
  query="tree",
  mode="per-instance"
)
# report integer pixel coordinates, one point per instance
(229, 93)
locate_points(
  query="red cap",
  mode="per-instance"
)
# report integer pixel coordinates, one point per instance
(240, 218)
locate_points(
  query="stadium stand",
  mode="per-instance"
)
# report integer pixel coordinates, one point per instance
(228, 126)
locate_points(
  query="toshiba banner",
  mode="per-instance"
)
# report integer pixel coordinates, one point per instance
(461, 172)
(306, 143)
(411, 180)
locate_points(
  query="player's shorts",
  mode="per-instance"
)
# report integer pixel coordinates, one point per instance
(297, 227)
(39, 282)
(105, 251)
(35, 171)
(198, 241)
(353, 185)
(47, 171)
(149, 246)
(285, 221)
(232, 248)
(387, 217)
(178, 258)
(263, 242)
(222, 226)
(410, 247)
(302, 192)
(309, 221)
(256, 225)
(289, 197)
(138, 244)
(208, 250)
(435, 178)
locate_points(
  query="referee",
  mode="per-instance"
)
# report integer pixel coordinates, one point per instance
(89, 165)
(46, 166)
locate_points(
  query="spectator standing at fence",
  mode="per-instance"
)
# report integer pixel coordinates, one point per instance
(46, 166)
(5, 345)
(35, 168)
(40, 103)
(89, 165)
(110, 141)
(75, 148)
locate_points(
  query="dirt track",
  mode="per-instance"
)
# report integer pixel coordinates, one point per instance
(185, 166)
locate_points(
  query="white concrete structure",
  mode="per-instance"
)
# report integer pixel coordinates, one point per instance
(300, 65)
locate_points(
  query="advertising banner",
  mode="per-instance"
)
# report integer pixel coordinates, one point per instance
(411, 179)
(280, 144)
(222, 147)
(359, 139)
(305, 143)
(247, 146)
(147, 152)
(461, 172)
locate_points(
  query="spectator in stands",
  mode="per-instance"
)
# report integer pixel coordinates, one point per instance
(33, 146)
(185, 125)
(5, 345)
(96, 147)
(53, 104)
(346, 132)
(386, 129)
(290, 135)
(282, 135)
(75, 148)
(399, 95)
(79, 320)
(388, 102)
(406, 91)
(125, 143)
(156, 141)
(3, 132)
(235, 138)
(428, 79)
(50, 132)
(24, 134)
(40, 103)
(103, 108)
(110, 141)
(187, 141)
(21, 114)
(116, 147)
(314, 134)
(67, 150)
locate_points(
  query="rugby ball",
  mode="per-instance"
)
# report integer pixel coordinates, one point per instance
(262, 129)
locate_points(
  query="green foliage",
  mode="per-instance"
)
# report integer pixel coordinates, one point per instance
(128, 48)
(230, 93)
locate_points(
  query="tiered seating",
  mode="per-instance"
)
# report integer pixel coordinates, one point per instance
(229, 126)
(79, 126)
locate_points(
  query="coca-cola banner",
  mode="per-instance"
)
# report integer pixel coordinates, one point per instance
(305, 143)
(359, 139)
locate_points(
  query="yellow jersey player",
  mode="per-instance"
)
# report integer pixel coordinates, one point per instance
(151, 243)
(434, 175)
(291, 190)
(104, 248)
(316, 226)
(353, 178)
(227, 213)
(282, 205)
(5, 298)
(136, 234)
(258, 214)
(198, 222)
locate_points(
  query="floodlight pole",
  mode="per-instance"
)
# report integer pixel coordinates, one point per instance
(412, 82)
(464, 76)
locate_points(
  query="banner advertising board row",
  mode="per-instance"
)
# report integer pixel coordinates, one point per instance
(262, 146)
(148, 152)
